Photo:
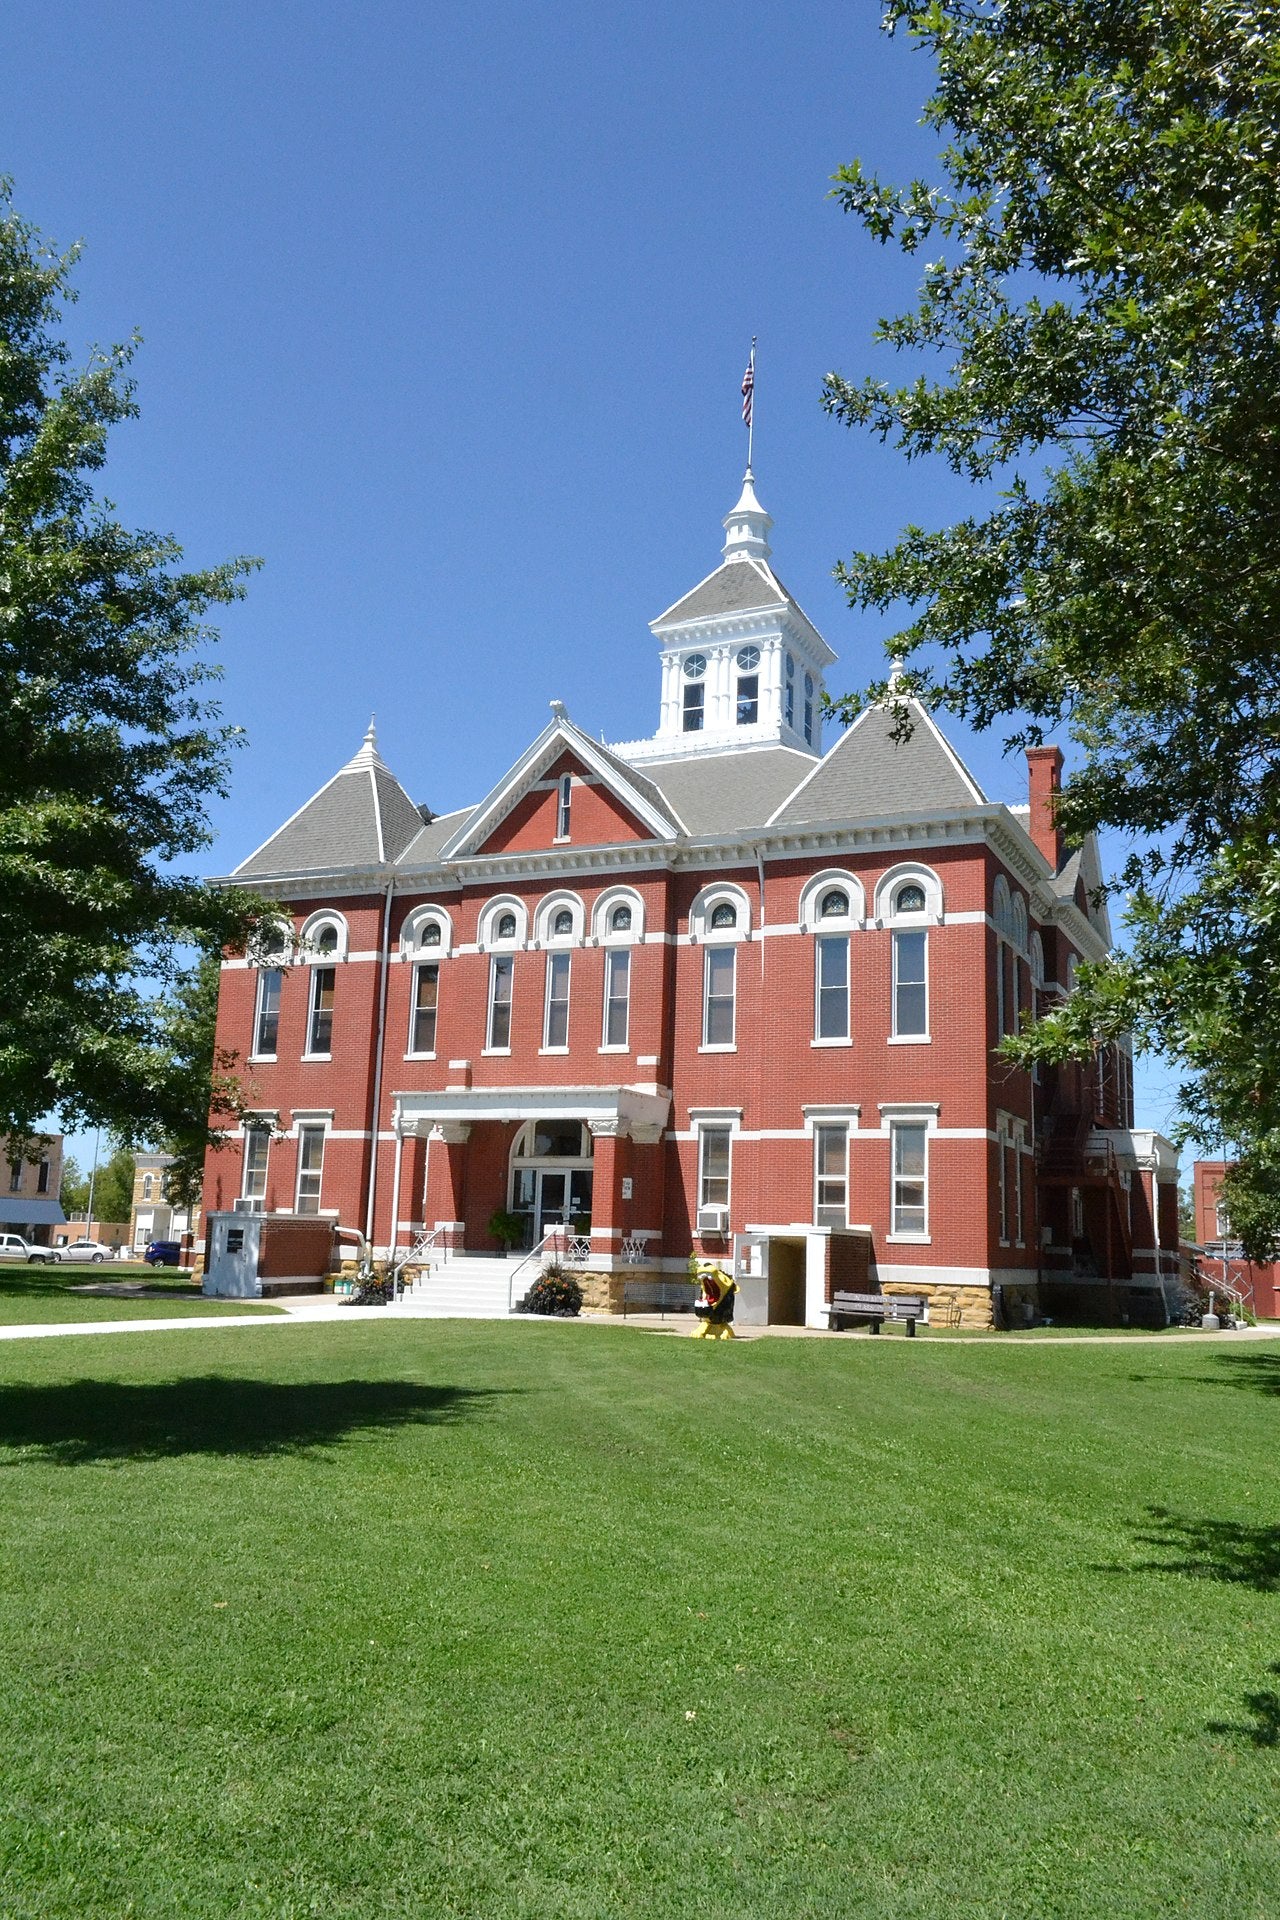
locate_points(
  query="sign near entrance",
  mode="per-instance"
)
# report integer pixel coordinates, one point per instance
(626, 1187)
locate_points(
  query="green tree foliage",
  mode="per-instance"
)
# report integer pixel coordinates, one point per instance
(113, 1187)
(1096, 348)
(110, 747)
(75, 1187)
(213, 1090)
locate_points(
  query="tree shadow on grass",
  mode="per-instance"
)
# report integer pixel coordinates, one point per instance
(1224, 1550)
(74, 1424)
(1265, 1708)
(1249, 1372)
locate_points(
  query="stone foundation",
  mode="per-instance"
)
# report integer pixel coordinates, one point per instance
(950, 1306)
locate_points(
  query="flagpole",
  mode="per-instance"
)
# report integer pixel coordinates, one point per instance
(751, 418)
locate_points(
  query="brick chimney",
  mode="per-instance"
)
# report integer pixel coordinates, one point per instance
(1044, 779)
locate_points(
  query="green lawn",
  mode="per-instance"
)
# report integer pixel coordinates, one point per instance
(30, 1294)
(449, 1619)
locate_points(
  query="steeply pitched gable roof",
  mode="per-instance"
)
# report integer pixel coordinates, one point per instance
(867, 775)
(361, 818)
(635, 791)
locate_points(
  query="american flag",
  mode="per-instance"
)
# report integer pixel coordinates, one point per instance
(748, 388)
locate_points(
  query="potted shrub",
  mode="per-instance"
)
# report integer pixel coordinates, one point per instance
(507, 1228)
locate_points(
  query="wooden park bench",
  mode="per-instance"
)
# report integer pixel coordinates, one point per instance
(675, 1296)
(877, 1307)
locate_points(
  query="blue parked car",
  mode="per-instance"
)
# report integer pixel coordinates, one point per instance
(163, 1253)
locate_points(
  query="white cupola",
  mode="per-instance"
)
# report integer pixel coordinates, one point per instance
(742, 665)
(747, 527)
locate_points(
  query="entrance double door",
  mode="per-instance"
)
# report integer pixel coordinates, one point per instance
(547, 1197)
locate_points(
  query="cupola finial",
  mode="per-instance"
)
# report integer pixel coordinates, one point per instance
(747, 527)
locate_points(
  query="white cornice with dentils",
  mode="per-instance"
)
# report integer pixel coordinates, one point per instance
(991, 824)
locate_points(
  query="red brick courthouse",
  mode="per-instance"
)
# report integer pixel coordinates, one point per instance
(720, 980)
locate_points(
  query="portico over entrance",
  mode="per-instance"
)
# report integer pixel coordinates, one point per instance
(586, 1158)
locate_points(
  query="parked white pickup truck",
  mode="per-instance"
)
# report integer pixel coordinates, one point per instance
(14, 1247)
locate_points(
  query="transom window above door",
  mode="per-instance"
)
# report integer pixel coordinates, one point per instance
(554, 1140)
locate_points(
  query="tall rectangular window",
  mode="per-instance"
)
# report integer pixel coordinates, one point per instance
(910, 983)
(718, 996)
(789, 704)
(1017, 1187)
(831, 1169)
(257, 1145)
(910, 1178)
(555, 1026)
(501, 972)
(563, 806)
(1001, 1015)
(713, 1169)
(320, 1025)
(310, 1168)
(42, 1178)
(748, 699)
(266, 1025)
(694, 706)
(426, 999)
(832, 1011)
(15, 1175)
(1002, 1148)
(808, 721)
(617, 996)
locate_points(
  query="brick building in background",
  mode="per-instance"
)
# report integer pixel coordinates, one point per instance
(709, 981)
(31, 1187)
(1257, 1282)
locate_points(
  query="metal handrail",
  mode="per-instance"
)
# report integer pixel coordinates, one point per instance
(576, 1249)
(438, 1240)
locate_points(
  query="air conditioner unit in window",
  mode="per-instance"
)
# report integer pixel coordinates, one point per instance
(246, 1205)
(713, 1219)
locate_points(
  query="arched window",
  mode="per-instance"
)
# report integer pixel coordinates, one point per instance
(430, 935)
(910, 898)
(324, 933)
(327, 940)
(620, 919)
(427, 929)
(833, 905)
(724, 914)
(562, 924)
(505, 927)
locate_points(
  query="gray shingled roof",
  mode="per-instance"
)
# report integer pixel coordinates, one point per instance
(422, 850)
(866, 775)
(735, 587)
(362, 818)
(716, 793)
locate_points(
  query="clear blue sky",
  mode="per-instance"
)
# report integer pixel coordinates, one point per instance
(444, 311)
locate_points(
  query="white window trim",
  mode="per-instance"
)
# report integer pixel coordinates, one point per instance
(915, 925)
(607, 1045)
(702, 1128)
(490, 914)
(411, 934)
(489, 1047)
(847, 1128)
(888, 884)
(554, 954)
(811, 901)
(720, 893)
(312, 1125)
(244, 1160)
(606, 936)
(420, 961)
(318, 966)
(836, 1040)
(313, 926)
(908, 1116)
(717, 1046)
(546, 912)
(564, 807)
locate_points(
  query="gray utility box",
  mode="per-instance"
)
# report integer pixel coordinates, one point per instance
(251, 1256)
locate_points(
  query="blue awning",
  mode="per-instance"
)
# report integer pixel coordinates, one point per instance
(17, 1212)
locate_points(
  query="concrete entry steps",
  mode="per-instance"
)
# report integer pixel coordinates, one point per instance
(467, 1287)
